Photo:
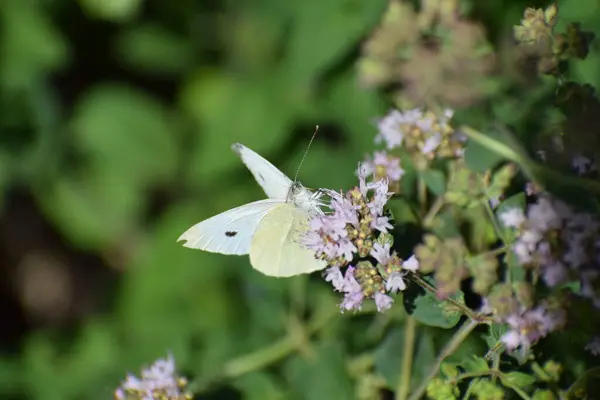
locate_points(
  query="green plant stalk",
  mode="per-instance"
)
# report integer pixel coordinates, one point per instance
(496, 251)
(492, 144)
(500, 234)
(467, 394)
(433, 211)
(496, 367)
(422, 195)
(410, 329)
(497, 227)
(531, 168)
(459, 337)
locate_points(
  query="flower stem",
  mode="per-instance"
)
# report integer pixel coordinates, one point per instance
(494, 220)
(492, 144)
(422, 195)
(500, 234)
(433, 211)
(410, 329)
(459, 337)
(532, 169)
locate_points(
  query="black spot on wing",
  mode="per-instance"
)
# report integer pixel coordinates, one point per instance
(230, 233)
(262, 178)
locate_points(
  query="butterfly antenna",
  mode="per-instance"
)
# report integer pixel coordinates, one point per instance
(305, 153)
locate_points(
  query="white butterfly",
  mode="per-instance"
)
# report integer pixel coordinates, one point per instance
(269, 230)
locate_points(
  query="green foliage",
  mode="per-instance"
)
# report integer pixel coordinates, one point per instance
(388, 357)
(116, 123)
(435, 181)
(427, 308)
(320, 375)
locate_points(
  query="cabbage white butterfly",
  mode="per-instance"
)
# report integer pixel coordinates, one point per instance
(268, 230)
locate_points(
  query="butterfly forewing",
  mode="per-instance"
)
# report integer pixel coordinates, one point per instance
(230, 232)
(274, 182)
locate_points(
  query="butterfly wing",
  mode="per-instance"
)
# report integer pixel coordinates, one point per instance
(231, 231)
(275, 249)
(274, 182)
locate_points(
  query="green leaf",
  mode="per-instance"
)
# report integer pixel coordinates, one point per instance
(435, 181)
(322, 375)
(543, 394)
(259, 386)
(429, 310)
(445, 225)
(253, 111)
(481, 233)
(181, 294)
(313, 47)
(475, 364)
(30, 45)
(479, 158)
(517, 379)
(495, 332)
(71, 373)
(123, 129)
(403, 211)
(151, 48)
(100, 210)
(351, 109)
(588, 384)
(388, 357)
(501, 180)
(470, 346)
(449, 370)
(112, 10)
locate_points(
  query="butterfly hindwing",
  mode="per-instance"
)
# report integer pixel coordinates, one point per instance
(276, 250)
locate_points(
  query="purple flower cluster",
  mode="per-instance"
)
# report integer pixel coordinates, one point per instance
(583, 165)
(562, 244)
(157, 382)
(355, 229)
(420, 131)
(356, 288)
(349, 229)
(383, 166)
(529, 326)
(593, 346)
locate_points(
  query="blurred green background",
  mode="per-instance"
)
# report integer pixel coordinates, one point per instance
(116, 122)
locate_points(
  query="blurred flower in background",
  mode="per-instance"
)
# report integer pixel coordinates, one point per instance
(157, 382)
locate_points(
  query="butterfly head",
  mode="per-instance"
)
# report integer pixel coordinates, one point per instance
(303, 198)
